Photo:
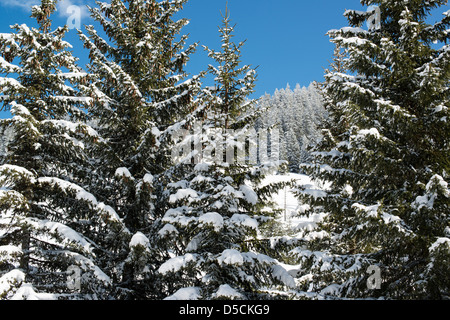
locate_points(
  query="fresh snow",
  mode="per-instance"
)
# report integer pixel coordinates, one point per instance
(440, 242)
(123, 172)
(10, 279)
(81, 194)
(70, 75)
(250, 194)
(88, 266)
(112, 214)
(288, 202)
(370, 211)
(17, 108)
(167, 230)
(148, 178)
(372, 132)
(177, 263)
(10, 250)
(6, 36)
(202, 166)
(282, 275)
(69, 235)
(231, 256)
(356, 30)
(243, 220)
(191, 293)
(139, 239)
(212, 218)
(429, 198)
(226, 291)
(10, 82)
(183, 194)
(16, 169)
(27, 292)
(176, 216)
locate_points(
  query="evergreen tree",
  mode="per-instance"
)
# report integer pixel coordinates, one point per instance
(140, 95)
(293, 150)
(212, 226)
(52, 229)
(385, 153)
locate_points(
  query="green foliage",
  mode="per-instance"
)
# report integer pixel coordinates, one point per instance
(387, 95)
(48, 221)
(211, 224)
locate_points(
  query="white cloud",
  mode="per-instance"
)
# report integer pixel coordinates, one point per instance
(24, 4)
(65, 8)
(75, 11)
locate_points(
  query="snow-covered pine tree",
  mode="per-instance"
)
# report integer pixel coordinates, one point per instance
(386, 156)
(294, 150)
(140, 95)
(211, 229)
(52, 230)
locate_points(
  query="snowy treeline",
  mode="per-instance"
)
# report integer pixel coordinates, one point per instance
(298, 115)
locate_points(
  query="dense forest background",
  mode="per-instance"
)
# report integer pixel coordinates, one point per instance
(298, 114)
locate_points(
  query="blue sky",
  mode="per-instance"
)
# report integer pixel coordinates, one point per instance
(286, 39)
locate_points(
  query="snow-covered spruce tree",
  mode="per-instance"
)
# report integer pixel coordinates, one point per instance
(52, 230)
(216, 205)
(386, 156)
(140, 94)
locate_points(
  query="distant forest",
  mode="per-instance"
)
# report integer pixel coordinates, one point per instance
(297, 114)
